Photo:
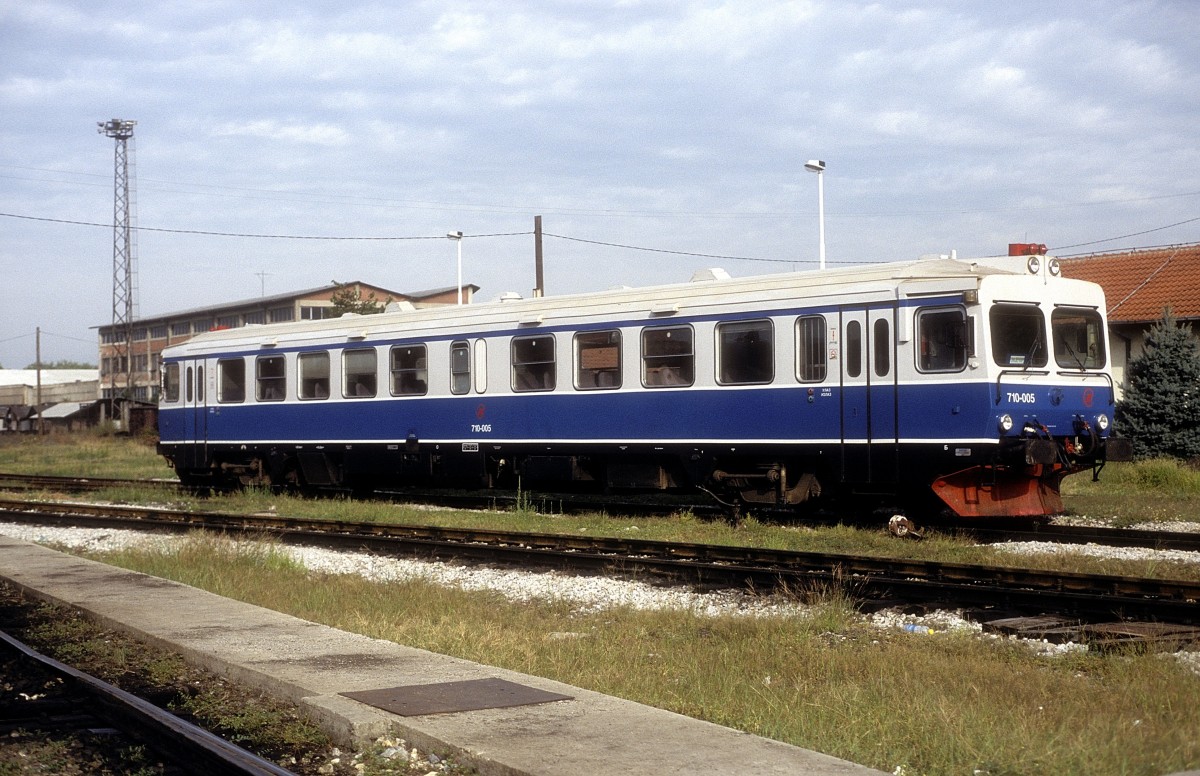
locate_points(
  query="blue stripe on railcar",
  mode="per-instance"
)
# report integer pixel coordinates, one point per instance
(924, 412)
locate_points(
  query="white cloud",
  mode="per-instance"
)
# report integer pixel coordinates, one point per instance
(317, 134)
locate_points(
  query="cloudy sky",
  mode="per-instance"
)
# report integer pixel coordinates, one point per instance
(654, 137)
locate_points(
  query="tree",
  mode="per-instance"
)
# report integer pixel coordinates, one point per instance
(349, 299)
(1160, 411)
(64, 364)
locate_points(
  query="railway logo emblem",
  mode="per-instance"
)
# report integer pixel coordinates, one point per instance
(480, 411)
(1088, 397)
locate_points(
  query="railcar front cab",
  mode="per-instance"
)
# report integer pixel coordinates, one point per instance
(1052, 392)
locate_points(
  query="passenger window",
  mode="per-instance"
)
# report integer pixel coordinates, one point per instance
(598, 360)
(942, 340)
(231, 380)
(668, 358)
(533, 363)
(853, 349)
(314, 375)
(171, 382)
(811, 363)
(200, 383)
(460, 368)
(410, 376)
(270, 378)
(358, 373)
(1018, 336)
(745, 353)
(882, 344)
(1078, 338)
(190, 385)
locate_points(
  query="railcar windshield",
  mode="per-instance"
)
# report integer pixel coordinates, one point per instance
(1078, 338)
(1018, 336)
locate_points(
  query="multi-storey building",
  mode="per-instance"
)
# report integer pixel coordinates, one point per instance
(130, 369)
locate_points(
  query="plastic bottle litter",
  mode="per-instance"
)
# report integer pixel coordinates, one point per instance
(918, 629)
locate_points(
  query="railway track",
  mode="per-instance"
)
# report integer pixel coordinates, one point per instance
(1082, 598)
(67, 703)
(1063, 534)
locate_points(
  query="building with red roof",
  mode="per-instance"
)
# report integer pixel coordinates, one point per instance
(1138, 286)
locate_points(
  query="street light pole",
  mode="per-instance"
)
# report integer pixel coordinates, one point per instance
(818, 166)
(457, 237)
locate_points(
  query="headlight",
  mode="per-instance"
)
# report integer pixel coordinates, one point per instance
(1006, 423)
(1102, 422)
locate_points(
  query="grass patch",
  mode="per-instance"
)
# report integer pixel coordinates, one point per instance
(1157, 490)
(81, 455)
(939, 704)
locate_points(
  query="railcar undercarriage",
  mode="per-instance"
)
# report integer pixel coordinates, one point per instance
(1022, 480)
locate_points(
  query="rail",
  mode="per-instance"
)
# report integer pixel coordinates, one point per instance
(1082, 595)
(188, 747)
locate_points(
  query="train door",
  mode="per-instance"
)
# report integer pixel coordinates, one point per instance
(868, 383)
(195, 398)
(881, 361)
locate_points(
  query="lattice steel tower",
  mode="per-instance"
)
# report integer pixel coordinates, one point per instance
(124, 299)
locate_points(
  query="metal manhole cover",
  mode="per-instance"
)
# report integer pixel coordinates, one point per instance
(444, 697)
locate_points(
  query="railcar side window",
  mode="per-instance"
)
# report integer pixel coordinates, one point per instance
(854, 347)
(410, 376)
(171, 382)
(231, 380)
(598, 360)
(314, 375)
(745, 352)
(460, 367)
(270, 378)
(942, 340)
(1018, 336)
(190, 385)
(1078, 338)
(200, 383)
(533, 363)
(358, 373)
(882, 343)
(811, 364)
(668, 358)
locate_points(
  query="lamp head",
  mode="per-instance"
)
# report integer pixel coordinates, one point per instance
(814, 165)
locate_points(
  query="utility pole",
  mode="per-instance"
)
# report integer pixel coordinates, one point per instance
(37, 355)
(124, 261)
(539, 282)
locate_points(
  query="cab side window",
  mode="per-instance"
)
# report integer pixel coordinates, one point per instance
(942, 339)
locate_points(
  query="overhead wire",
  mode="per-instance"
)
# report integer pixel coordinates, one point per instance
(604, 243)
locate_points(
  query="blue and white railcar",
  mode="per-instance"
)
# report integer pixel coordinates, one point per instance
(982, 383)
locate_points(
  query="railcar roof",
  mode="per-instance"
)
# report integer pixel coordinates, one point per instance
(810, 284)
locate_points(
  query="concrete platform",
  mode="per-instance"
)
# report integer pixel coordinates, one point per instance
(313, 665)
